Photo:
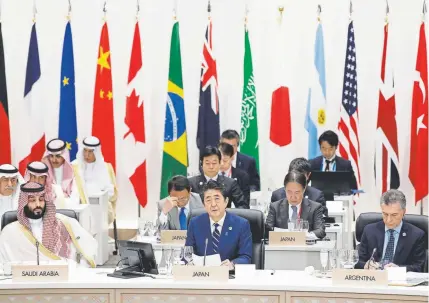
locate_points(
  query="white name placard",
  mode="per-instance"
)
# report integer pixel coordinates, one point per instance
(40, 273)
(359, 277)
(287, 238)
(201, 273)
(173, 236)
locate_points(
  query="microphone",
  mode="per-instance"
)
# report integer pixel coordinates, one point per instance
(205, 252)
(37, 251)
(372, 255)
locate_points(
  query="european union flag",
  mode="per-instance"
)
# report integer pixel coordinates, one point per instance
(67, 121)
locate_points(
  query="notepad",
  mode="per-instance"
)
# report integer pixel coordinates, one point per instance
(212, 260)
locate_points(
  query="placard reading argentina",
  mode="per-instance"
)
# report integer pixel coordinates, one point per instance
(42, 273)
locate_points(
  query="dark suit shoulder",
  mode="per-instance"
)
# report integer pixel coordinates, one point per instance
(374, 227)
(233, 218)
(311, 191)
(278, 194)
(200, 219)
(342, 162)
(277, 203)
(412, 229)
(245, 157)
(315, 163)
(314, 204)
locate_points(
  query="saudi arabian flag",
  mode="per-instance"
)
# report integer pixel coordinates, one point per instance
(249, 144)
(175, 151)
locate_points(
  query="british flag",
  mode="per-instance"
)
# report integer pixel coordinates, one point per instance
(208, 115)
(348, 127)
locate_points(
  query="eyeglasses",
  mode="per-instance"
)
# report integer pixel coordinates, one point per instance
(182, 199)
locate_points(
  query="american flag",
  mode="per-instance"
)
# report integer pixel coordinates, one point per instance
(349, 146)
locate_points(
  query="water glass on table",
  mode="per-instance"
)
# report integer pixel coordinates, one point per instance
(324, 256)
(188, 252)
(305, 226)
(177, 255)
(333, 258)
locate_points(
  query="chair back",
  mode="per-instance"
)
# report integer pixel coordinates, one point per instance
(11, 216)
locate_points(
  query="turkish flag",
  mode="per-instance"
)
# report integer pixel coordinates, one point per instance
(280, 128)
(418, 171)
(103, 125)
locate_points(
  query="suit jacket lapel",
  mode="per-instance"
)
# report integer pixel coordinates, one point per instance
(207, 232)
(201, 181)
(174, 218)
(401, 243)
(224, 232)
(238, 162)
(284, 213)
(305, 209)
(380, 241)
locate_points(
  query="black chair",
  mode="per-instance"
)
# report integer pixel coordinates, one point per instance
(419, 221)
(257, 227)
(11, 216)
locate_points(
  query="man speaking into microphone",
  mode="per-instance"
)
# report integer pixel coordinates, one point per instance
(220, 232)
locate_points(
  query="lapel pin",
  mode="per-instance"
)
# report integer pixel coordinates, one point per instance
(235, 179)
(404, 234)
(230, 228)
(201, 183)
(226, 234)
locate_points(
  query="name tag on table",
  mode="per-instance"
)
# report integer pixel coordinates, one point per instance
(287, 238)
(173, 236)
(359, 277)
(201, 273)
(40, 273)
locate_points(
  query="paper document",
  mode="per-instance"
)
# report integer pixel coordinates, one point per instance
(212, 260)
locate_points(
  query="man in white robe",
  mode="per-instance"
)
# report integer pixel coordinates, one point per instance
(57, 236)
(10, 180)
(57, 158)
(94, 175)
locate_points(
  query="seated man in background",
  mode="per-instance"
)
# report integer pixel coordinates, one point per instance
(227, 170)
(10, 181)
(38, 172)
(210, 161)
(94, 176)
(303, 166)
(329, 161)
(57, 158)
(242, 161)
(174, 211)
(228, 235)
(57, 236)
(396, 242)
(295, 206)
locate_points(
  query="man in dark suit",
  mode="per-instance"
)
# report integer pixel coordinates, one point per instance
(210, 162)
(227, 170)
(242, 161)
(329, 161)
(228, 235)
(396, 242)
(302, 165)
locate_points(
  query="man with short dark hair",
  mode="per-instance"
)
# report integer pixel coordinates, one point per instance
(175, 210)
(242, 161)
(227, 170)
(329, 161)
(303, 166)
(228, 235)
(396, 242)
(210, 162)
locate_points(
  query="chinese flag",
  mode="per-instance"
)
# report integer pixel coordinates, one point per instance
(103, 125)
(418, 171)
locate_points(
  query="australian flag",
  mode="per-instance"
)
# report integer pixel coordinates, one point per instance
(208, 115)
(67, 120)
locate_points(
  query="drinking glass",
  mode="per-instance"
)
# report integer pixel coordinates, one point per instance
(333, 257)
(187, 254)
(324, 255)
(167, 252)
(305, 226)
(353, 257)
(177, 255)
(291, 225)
(142, 228)
(343, 255)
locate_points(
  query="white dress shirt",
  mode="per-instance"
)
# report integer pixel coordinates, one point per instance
(37, 228)
(298, 209)
(220, 222)
(331, 165)
(227, 173)
(58, 175)
(208, 178)
(163, 218)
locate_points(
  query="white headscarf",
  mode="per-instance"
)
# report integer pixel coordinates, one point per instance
(10, 171)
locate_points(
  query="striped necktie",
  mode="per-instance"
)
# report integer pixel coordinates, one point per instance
(388, 254)
(216, 238)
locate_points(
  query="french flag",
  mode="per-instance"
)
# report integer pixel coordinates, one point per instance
(32, 98)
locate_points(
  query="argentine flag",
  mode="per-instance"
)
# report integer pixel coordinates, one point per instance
(315, 119)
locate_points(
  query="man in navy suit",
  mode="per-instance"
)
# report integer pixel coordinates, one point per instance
(226, 234)
(329, 161)
(303, 166)
(242, 161)
(396, 242)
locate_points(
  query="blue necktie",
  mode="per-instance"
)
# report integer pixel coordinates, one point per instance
(295, 213)
(388, 254)
(216, 238)
(182, 219)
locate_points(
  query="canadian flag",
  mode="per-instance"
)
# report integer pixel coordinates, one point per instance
(134, 140)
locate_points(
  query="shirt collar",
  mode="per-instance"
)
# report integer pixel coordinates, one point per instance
(186, 206)
(298, 207)
(397, 229)
(332, 159)
(208, 178)
(227, 172)
(220, 222)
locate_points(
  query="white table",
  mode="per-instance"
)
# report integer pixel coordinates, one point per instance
(295, 257)
(99, 225)
(92, 285)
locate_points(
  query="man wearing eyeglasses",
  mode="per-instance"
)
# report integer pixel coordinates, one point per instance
(174, 211)
(226, 234)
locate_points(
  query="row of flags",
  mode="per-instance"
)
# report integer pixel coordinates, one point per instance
(175, 153)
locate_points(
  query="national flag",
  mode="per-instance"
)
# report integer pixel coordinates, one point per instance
(5, 150)
(208, 132)
(32, 93)
(175, 151)
(103, 121)
(387, 156)
(418, 171)
(134, 142)
(348, 126)
(280, 126)
(315, 118)
(67, 120)
(249, 143)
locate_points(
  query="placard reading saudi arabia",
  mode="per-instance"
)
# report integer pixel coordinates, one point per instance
(287, 238)
(201, 273)
(40, 273)
(173, 236)
(359, 277)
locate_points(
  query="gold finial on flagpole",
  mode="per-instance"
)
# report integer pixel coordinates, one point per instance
(319, 12)
(424, 11)
(175, 10)
(34, 11)
(246, 9)
(69, 11)
(386, 19)
(350, 10)
(137, 10)
(281, 10)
